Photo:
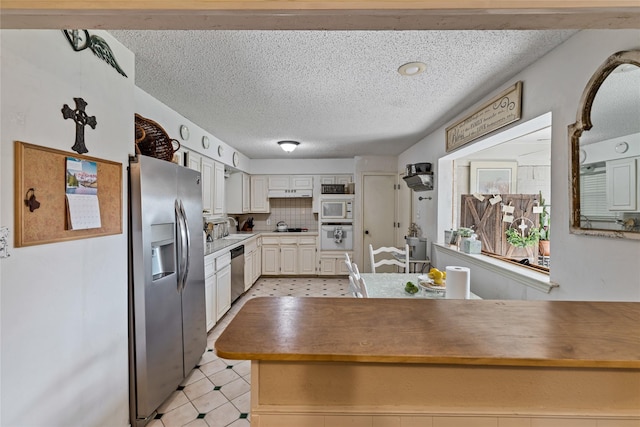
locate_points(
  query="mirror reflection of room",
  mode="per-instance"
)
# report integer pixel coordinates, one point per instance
(609, 155)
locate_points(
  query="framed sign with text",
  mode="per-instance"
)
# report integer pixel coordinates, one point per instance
(501, 110)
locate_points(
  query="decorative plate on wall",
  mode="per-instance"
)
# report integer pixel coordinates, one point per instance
(205, 141)
(235, 158)
(184, 132)
(220, 150)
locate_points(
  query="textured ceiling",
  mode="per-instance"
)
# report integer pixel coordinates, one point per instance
(337, 92)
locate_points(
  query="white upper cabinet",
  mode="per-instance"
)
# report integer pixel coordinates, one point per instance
(207, 171)
(193, 160)
(218, 192)
(259, 193)
(290, 182)
(622, 185)
(237, 193)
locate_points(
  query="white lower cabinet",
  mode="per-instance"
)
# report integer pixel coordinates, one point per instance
(252, 264)
(223, 284)
(289, 258)
(288, 255)
(248, 269)
(270, 258)
(210, 291)
(257, 263)
(307, 255)
(332, 263)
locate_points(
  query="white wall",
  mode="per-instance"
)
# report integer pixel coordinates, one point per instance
(170, 120)
(302, 166)
(585, 267)
(64, 305)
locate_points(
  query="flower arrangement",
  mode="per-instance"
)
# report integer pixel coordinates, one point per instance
(414, 230)
(519, 240)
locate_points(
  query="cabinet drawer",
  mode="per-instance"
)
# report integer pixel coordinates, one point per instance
(307, 240)
(270, 240)
(250, 245)
(209, 265)
(290, 240)
(223, 260)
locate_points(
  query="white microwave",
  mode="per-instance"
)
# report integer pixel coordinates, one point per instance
(336, 209)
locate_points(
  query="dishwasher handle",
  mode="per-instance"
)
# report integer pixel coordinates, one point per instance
(237, 251)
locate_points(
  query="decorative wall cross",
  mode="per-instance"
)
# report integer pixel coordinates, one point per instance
(81, 118)
(522, 227)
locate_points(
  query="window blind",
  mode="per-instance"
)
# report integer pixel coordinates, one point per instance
(593, 197)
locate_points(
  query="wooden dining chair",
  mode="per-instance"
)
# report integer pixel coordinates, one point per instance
(403, 254)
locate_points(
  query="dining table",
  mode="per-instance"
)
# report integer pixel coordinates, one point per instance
(391, 285)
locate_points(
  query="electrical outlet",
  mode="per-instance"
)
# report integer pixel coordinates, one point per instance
(268, 221)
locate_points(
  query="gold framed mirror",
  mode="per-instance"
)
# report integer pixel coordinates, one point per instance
(605, 151)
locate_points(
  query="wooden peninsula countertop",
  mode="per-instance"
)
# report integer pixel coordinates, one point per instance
(459, 332)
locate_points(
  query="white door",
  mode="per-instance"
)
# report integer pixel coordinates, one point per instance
(404, 211)
(378, 200)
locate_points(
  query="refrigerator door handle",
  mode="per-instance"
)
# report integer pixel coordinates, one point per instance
(180, 246)
(187, 245)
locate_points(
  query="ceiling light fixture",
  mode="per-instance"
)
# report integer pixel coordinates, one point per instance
(412, 68)
(288, 146)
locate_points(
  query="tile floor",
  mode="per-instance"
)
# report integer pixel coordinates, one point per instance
(216, 393)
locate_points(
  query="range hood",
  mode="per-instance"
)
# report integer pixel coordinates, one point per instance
(420, 181)
(280, 194)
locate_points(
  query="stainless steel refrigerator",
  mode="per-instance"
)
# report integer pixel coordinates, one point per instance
(167, 326)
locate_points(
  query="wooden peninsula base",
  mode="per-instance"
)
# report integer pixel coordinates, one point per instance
(438, 363)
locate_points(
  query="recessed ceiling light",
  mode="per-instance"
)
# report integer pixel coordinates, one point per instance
(412, 68)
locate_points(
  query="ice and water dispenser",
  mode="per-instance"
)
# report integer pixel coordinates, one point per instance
(163, 252)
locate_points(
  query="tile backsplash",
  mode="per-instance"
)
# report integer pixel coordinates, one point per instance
(297, 213)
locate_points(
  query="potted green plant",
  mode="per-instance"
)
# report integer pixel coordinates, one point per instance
(464, 233)
(545, 229)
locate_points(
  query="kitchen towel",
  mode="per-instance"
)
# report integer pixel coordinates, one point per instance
(458, 283)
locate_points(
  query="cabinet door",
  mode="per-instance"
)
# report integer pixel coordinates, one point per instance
(279, 182)
(327, 179)
(233, 193)
(193, 160)
(248, 270)
(307, 259)
(210, 301)
(218, 189)
(207, 170)
(289, 259)
(210, 291)
(257, 264)
(259, 194)
(344, 179)
(246, 194)
(270, 260)
(622, 185)
(327, 266)
(301, 182)
(223, 294)
(341, 265)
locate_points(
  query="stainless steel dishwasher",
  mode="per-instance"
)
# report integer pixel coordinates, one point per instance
(237, 272)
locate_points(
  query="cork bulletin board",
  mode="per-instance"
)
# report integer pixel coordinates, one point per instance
(43, 169)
